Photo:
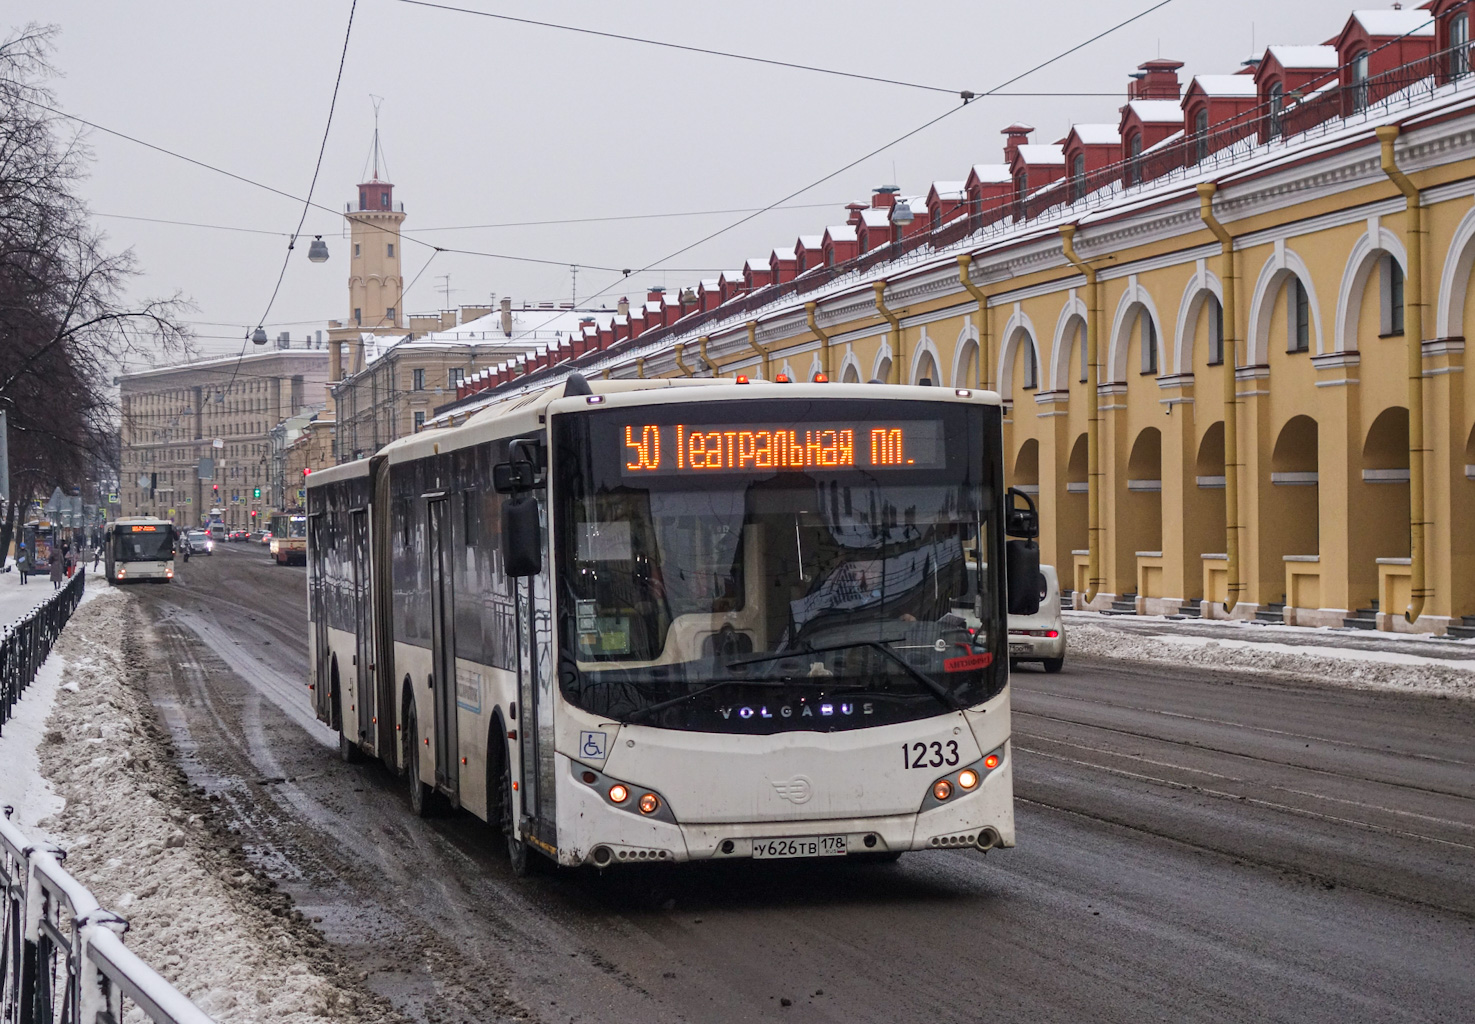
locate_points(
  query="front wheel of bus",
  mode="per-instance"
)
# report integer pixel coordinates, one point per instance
(500, 803)
(419, 792)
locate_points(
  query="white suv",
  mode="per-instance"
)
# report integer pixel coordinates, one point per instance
(1041, 636)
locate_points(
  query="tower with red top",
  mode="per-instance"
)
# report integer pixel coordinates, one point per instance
(375, 284)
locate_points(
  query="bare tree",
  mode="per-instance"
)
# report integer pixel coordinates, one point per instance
(66, 320)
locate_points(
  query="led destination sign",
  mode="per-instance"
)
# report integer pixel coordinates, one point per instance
(673, 449)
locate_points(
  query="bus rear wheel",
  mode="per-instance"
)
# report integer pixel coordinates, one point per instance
(419, 792)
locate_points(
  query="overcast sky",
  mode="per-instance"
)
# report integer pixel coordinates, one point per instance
(486, 122)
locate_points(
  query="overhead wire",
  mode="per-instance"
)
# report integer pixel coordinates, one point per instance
(900, 138)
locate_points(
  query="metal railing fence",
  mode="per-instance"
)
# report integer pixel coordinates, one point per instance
(62, 958)
(25, 645)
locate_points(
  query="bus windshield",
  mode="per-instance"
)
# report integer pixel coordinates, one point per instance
(778, 565)
(148, 543)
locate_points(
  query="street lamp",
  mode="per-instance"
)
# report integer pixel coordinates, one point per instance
(318, 250)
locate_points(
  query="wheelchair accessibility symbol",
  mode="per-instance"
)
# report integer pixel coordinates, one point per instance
(592, 745)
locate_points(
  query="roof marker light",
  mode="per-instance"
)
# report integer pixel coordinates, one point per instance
(781, 378)
(742, 378)
(963, 393)
(820, 378)
(594, 399)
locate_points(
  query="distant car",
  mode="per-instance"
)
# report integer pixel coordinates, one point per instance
(216, 531)
(239, 535)
(199, 542)
(1041, 636)
(266, 537)
(254, 535)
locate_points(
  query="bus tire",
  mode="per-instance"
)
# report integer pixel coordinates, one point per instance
(500, 813)
(419, 792)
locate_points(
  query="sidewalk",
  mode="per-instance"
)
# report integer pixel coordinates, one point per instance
(1410, 663)
(21, 783)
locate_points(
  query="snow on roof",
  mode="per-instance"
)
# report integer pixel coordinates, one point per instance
(875, 218)
(785, 253)
(811, 241)
(1395, 23)
(1036, 153)
(948, 189)
(1305, 56)
(1227, 85)
(1165, 143)
(530, 325)
(992, 174)
(732, 276)
(710, 284)
(1097, 134)
(758, 263)
(1157, 111)
(840, 233)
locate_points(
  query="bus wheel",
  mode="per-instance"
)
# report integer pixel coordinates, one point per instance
(500, 813)
(419, 792)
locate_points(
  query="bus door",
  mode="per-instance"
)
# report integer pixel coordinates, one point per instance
(318, 607)
(535, 694)
(363, 627)
(443, 645)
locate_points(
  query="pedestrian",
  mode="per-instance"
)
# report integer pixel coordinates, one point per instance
(96, 557)
(22, 562)
(58, 567)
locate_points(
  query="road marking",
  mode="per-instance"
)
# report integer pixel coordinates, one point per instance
(1252, 728)
(1240, 754)
(1237, 798)
(1252, 782)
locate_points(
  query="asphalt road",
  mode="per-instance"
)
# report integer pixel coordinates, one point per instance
(1193, 846)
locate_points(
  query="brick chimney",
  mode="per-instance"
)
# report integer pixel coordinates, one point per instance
(1015, 135)
(623, 306)
(884, 198)
(855, 209)
(1156, 80)
(507, 317)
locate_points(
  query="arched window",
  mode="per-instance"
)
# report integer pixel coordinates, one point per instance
(1078, 177)
(1201, 135)
(1390, 281)
(1298, 317)
(1031, 365)
(1134, 158)
(863, 240)
(1459, 45)
(1149, 342)
(1359, 81)
(1216, 331)
(1277, 108)
(936, 217)
(1081, 340)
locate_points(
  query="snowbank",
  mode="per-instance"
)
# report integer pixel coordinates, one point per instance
(139, 838)
(1343, 666)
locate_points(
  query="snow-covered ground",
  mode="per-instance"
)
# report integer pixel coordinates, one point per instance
(97, 778)
(1360, 660)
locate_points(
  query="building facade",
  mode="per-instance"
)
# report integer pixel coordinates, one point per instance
(402, 381)
(1231, 348)
(220, 410)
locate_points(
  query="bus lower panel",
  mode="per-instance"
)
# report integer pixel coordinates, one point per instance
(588, 822)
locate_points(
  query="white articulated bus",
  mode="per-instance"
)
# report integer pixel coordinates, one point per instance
(139, 549)
(677, 620)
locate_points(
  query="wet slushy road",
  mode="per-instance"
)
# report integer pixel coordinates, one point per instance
(1193, 846)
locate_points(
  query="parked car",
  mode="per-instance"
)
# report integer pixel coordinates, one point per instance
(1041, 636)
(199, 542)
(266, 537)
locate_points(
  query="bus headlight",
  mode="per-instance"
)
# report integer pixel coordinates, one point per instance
(942, 789)
(965, 780)
(649, 803)
(619, 793)
(622, 795)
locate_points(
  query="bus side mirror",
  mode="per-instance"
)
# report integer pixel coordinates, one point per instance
(522, 537)
(1021, 522)
(1022, 573)
(512, 477)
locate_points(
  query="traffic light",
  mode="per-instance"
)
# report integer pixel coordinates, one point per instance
(253, 513)
(256, 492)
(216, 489)
(306, 470)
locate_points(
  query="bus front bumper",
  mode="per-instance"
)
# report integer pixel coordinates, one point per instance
(604, 835)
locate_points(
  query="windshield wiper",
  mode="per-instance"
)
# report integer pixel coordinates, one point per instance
(931, 685)
(651, 709)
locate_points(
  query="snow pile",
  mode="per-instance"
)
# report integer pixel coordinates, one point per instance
(138, 837)
(1362, 669)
